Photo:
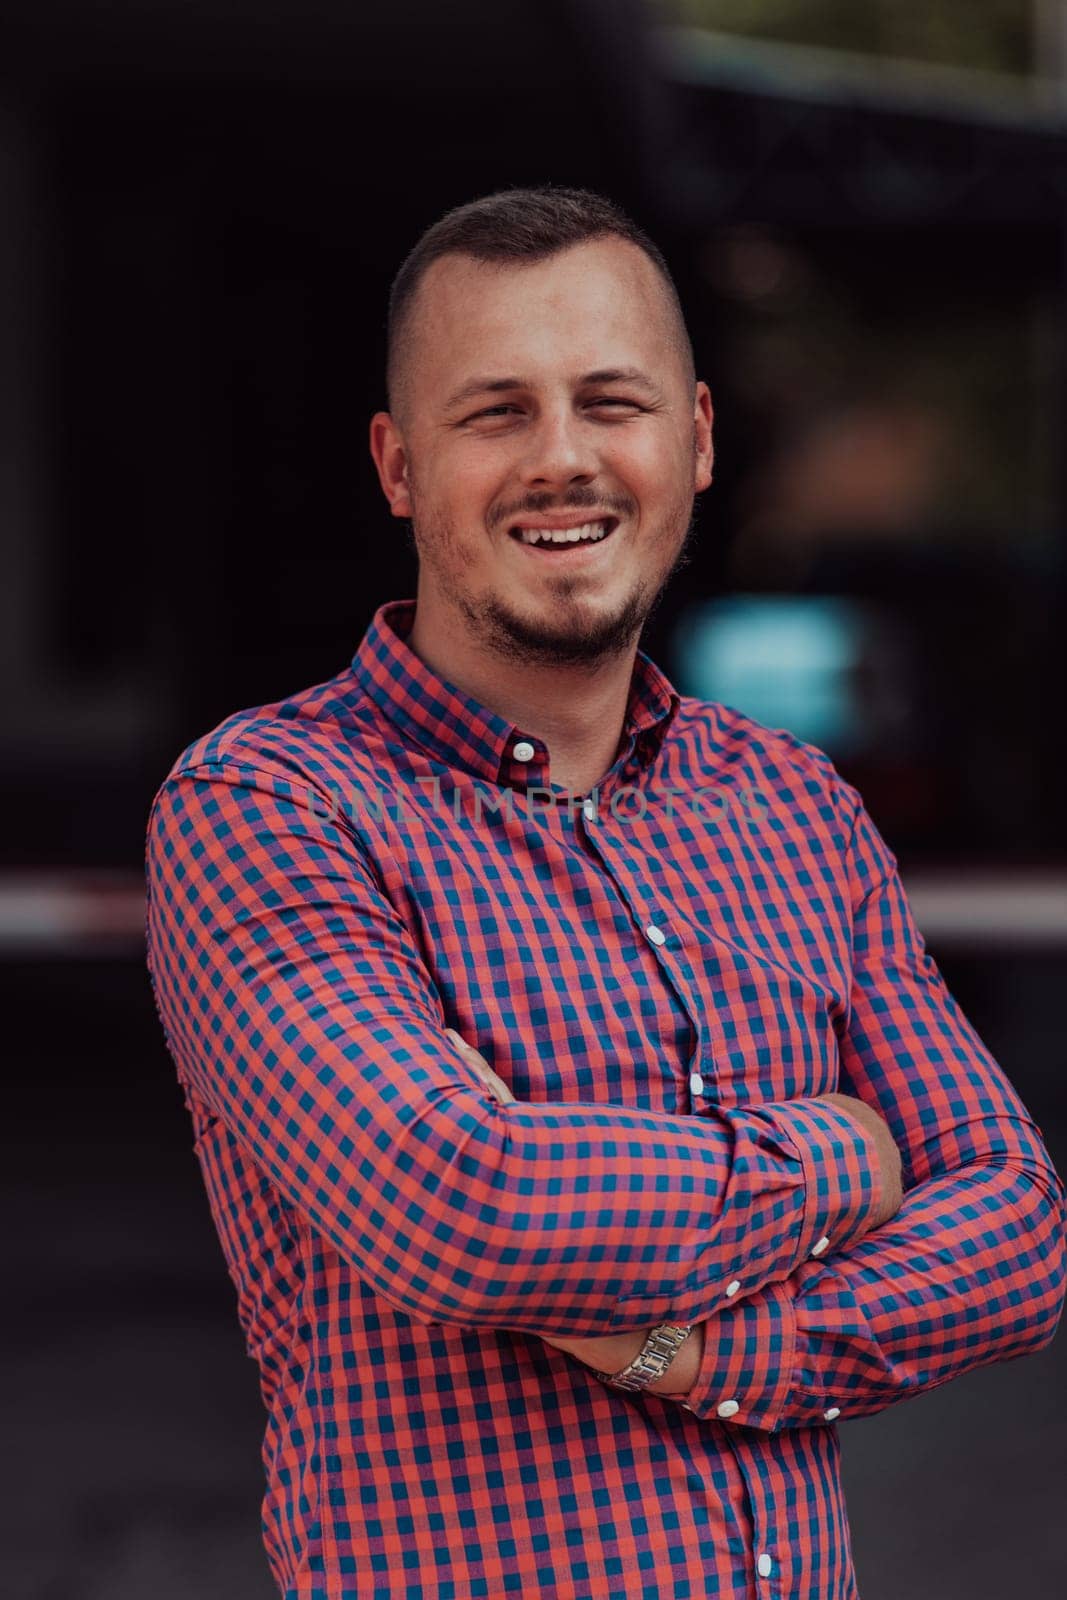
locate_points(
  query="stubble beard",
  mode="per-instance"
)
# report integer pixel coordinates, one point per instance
(539, 641)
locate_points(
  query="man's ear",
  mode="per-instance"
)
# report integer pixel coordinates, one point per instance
(703, 449)
(391, 459)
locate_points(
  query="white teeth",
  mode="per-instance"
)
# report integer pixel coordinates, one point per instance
(589, 531)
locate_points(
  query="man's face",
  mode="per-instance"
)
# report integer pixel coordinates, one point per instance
(546, 396)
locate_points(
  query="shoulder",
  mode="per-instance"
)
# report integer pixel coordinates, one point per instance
(780, 776)
(326, 735)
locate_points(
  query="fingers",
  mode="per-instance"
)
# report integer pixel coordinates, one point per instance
(496, 1085)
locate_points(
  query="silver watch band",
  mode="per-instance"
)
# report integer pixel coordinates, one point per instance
(652, 1360)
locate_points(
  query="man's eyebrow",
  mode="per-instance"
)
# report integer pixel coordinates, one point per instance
(622, 375)
(477, 386)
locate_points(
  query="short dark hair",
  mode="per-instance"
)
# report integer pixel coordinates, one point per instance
(517, 225)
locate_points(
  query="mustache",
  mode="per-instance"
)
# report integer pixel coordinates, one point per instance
(576, 500)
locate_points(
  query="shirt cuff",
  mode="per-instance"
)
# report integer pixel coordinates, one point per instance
(844, 1188)
(746, 1369)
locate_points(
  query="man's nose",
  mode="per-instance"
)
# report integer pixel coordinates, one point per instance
(559, 450)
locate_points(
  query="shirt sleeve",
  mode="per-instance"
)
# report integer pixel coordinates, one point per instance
(970, 1271)
(299, 1010)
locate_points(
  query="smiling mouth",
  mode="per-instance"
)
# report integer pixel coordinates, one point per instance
(561, 540)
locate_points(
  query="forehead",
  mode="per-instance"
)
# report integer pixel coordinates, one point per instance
(598, 304)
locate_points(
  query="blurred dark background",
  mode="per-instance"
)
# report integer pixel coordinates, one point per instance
(201, 207)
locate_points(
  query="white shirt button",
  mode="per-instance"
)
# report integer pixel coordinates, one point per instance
(523, 751)
(657, 935)
(732, 1288)
(834, 1411)
(764, 1565)
(686, 1406)
(727, 1408)
(817, 1249)
(589, 808)
(696, 1083)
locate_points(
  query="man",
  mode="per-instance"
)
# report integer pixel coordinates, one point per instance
(586, 1127)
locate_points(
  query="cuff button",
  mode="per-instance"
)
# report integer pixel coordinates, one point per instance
(817, 1249)
(728, 1408)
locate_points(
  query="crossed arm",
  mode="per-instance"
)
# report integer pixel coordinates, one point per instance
(612, 1352)
(298, 1009)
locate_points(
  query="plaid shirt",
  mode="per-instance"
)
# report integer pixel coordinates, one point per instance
(668, 972)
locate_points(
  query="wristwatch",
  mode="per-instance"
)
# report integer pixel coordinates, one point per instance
(652, 1360)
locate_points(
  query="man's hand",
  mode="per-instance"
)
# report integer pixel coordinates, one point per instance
(495, 1085)
(888, 1153)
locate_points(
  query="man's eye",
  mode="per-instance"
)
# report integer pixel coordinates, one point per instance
(601, 401)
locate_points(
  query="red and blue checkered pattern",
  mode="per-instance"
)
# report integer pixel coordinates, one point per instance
(668, 977)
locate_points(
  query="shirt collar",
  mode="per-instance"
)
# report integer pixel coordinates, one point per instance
(450, 724)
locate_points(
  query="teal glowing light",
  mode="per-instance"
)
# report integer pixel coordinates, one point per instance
(789, 661)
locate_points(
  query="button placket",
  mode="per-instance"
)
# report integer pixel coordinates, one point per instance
(752, 1471)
